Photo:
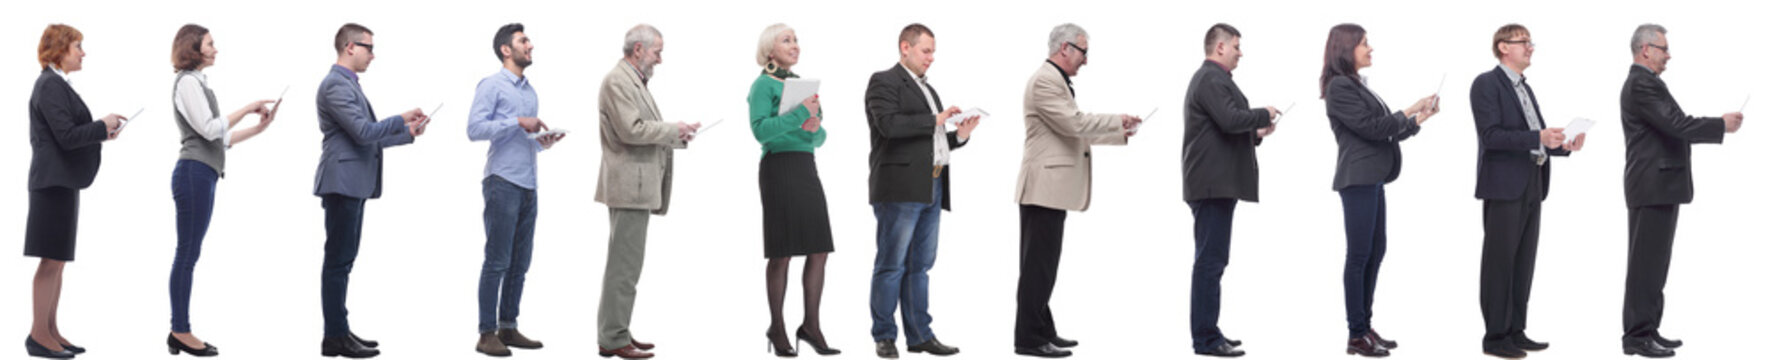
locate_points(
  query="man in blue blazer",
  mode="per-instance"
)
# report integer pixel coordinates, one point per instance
(1513, 179)
(350, 173)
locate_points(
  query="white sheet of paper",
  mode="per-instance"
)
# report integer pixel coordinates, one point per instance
(711, 125)
(796, 90)
(962, 116)
(1577, 127)
(127, 120)
(536, 135)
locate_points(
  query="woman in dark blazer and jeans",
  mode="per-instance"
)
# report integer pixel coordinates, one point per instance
(1367, 133)
(64, 159)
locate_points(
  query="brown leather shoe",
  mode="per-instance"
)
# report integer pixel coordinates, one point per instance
(626, 352)
(491, 346)
(1367, 346)
(512, 338)
(640, 345)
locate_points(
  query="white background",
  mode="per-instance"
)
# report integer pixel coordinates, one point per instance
(1123, 290)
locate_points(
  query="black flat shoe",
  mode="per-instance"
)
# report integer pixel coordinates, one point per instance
(1671, 344)
(1646, 347)
(1063, 342)
(934, 348)
(34, 349)
(819, 345)
(366, 343)
(347, 347)
(1504, 351)
(1044, 350)
(1521, 341)
(885, 349)
(174, 346)
(1234, 342)
(1225, 349)
(80, 350)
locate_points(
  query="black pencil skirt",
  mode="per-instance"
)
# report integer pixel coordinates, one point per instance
(53, 219)
(795, 221)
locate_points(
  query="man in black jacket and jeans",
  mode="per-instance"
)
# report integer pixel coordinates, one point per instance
(1658, 150)
(1218, 169)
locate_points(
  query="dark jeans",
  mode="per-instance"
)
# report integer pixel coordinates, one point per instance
(1363, 218)
(1043, 236)
(905, 249)
(1212, 251)
(193, 194)
(344, 232)
(510, 219)
(1646, 267)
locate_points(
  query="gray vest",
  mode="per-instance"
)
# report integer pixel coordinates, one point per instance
(195, 147)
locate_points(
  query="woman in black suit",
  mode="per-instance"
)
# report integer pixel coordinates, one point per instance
(64, 159)
(1367, 133)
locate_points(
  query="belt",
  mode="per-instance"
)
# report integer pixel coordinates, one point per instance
(937, 172)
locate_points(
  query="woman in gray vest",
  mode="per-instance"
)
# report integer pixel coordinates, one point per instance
(205, 139)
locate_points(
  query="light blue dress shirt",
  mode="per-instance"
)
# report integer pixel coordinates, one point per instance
(498, 101)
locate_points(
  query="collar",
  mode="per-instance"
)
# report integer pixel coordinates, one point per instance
(1221, 66)
(512, 77)
(1514, 78)
(58, 72)
(1646, 68)
(636, 69)
(921, 80)
(1062, 75)
(347, 71)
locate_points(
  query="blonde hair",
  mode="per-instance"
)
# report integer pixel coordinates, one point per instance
(766, 43)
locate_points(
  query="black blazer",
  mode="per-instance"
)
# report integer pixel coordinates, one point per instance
(900, 125)
(64, 138)
(1219, 141)
(1658, 141)
(1367, 133)
(1505, 142)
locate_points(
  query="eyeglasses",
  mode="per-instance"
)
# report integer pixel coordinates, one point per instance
(1663, 48)
(1529, 43)
(371, 48)
(1080, 49)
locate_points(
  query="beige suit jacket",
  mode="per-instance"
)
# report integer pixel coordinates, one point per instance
(637, 144)
(1056, 152)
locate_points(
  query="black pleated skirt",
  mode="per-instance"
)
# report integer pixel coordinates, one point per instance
(795, 221)
(51, 225)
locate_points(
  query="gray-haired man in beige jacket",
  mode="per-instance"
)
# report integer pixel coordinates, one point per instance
(1055, 177)
(635, 179)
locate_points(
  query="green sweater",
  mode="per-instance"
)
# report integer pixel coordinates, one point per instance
(779, 133)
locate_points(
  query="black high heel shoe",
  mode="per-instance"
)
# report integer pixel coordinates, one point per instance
(174, 346)
(818, 346)
(780, 352)
(34, 349)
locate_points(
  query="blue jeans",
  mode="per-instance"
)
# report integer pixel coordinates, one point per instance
(1363, 218)
(1212, 251)
(344, 232)
(193, 194)
(510, 218)
(905, 250)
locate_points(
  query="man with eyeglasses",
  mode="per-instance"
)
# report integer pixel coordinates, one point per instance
(1055, 177)
(1514, 178)
(1658, 179)
(350, 173)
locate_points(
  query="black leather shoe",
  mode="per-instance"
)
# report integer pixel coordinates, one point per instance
(886, 350)
(1368, 346)
(174, 346)
(1044, 350)
(1063, 342)
(1225, 349)
(1234, 342)
(1506, 351)
(366, 343)
(346, 347)
(819, 346)
(1521, 341)
(34, 349)
(934, 348)
(1646, 347)
(1388, 344)
(1668, 343)
(80, 350)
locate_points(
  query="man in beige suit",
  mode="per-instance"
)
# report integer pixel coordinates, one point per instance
(1055, 177)
(635, 179)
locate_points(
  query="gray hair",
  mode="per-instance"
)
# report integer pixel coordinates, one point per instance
(1644, 35)
(643, 34)
(766, 43)
(1062, 34)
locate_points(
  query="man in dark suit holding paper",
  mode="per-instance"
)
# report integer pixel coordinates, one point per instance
(1514, 177)
(1658, 150)
(1218, 170)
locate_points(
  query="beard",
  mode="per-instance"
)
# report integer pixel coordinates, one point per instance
(523, 61)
